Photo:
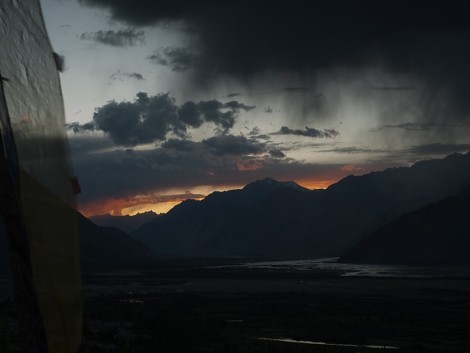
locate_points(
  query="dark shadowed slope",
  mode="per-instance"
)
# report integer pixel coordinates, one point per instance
(127, 223)
(435, 234)
(3, 248)
(98, 245)
(109, 245)
(268, 218)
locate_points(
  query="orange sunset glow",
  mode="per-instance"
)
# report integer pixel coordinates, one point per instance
(133, 205)
(316, 184)
(162, 203)
(156, 202)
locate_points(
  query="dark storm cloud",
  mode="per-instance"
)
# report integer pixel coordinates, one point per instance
(178, 59)
(121, 76)
(152, 118)
(236, 106)
(80, 128)
(255, 131)
(190, 114)
(135, 75)
(222, 114)
(275, 153)
(308, 132)
(121, 38)
(211, 111)
(144, 121)
(263, 137)
(428, 42)
(232, 145)
(320, 34)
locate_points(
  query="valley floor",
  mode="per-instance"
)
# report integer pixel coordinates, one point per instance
(204, 305)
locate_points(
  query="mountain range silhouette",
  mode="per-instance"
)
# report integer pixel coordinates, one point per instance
(409, 215)
(281, 219)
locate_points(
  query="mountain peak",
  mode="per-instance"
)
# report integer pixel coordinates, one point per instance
(274, 184)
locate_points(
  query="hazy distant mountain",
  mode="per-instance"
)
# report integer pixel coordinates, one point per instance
(269, 218)
(126, 223)
(435, 234)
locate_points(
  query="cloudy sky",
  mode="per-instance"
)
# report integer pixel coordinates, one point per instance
(167, 100)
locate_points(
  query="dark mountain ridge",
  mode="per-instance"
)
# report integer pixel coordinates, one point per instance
(282, 219)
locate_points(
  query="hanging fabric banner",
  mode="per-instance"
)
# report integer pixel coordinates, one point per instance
(34, 104)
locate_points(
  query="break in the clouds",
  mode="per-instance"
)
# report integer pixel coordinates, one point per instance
(177, 58)
(308, 132)
(121, 38)
(152, 118)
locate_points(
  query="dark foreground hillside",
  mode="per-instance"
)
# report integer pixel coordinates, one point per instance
(435, 234)
(109, 245)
